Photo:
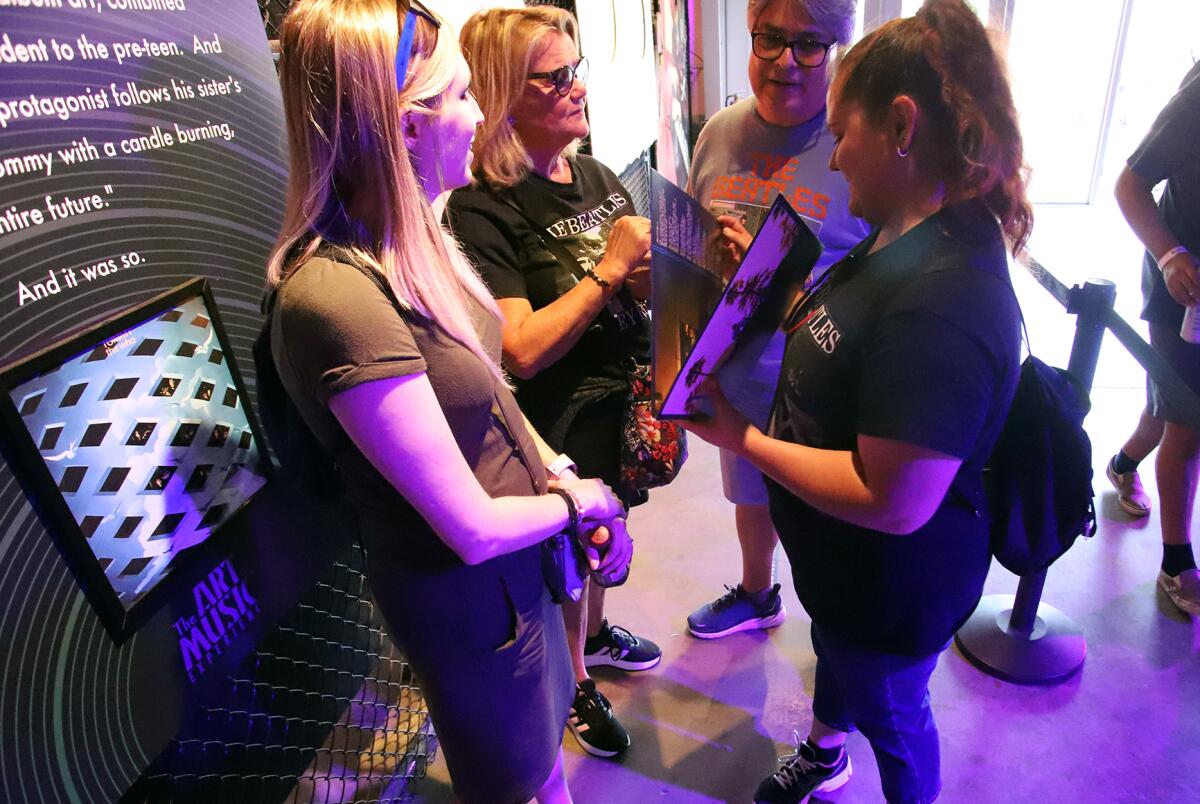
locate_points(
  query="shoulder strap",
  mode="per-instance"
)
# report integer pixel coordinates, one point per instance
(527, 460)
(556, 249)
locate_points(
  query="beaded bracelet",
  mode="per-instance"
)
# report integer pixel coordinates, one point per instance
(572, 502)
(591, 274)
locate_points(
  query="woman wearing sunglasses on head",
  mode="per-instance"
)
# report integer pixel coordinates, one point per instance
(897, 377)
(389, 344)
(556, 238)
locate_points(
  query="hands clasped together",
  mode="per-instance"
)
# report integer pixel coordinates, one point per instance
(602, 530)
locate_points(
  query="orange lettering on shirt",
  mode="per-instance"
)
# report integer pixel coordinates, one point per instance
(760, 163)
(810, 204)
(788, 173)
(820, 206)
(802, 201)
(737, 188)
(775, 163)
(775, 186)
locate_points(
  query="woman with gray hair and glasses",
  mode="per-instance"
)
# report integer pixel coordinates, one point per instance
(772, 143)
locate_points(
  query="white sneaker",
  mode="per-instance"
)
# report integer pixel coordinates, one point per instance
(1130, 494)
(1185, 599)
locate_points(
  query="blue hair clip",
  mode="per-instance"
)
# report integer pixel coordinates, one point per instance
(408, 28)
(404, 50)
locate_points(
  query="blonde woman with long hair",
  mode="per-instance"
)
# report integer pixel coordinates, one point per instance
(388, 343)
(556, 238)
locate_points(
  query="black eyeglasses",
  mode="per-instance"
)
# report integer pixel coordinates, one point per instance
(406, 19)
(807, 51)
(565, 77)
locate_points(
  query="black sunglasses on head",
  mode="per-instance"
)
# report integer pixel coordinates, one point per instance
(407, 12)
(565, 77)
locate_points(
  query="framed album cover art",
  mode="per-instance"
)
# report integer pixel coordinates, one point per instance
(134, 441)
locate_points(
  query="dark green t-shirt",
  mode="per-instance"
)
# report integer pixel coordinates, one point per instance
(334, 329)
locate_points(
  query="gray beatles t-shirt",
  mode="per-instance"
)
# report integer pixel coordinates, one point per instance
(740, 165)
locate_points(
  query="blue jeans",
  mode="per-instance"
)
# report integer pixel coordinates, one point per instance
(886, 697)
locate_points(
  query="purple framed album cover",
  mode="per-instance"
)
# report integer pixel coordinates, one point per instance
(754, 302)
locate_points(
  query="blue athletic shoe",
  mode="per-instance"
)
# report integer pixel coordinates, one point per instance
(734, 611)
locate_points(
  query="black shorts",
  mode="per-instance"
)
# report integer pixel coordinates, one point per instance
(1184, 357)
(594, 442)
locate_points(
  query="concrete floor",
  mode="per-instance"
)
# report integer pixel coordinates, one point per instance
(709, 722)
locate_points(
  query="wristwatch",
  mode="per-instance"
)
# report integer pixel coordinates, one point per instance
(561, 464)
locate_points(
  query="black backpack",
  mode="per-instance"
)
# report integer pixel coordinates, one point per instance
(295, 446)
(1038, 479)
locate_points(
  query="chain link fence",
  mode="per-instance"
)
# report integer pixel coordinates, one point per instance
(325, 711)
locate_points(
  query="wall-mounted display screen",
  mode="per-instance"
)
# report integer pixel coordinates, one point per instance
(135, 443)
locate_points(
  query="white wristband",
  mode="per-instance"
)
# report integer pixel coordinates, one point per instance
(561, 464)
(1170, 255)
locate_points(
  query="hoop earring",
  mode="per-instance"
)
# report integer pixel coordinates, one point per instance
(901, 151)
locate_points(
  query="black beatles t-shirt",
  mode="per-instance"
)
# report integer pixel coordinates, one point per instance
(918, 343)
(1169, 153)
(513, 261)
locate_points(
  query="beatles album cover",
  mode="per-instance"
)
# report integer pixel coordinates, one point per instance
(134, 443)
(771, 274)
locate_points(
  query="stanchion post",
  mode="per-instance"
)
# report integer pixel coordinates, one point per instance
(1025, 605)
(1019, 638)
(1090, 303)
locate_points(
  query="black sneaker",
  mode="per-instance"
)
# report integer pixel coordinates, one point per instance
(801, 775)
(593, 723)
(616, 647)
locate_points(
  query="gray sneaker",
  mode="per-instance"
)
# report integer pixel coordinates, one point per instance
(1130, 494)
(800, 775)
(1186, 600)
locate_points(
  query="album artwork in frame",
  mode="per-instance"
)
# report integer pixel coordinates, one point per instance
(134, 442)
(752, 305)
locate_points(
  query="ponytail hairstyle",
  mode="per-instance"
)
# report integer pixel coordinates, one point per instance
(351, 183)
(500, 44)
(943, 60)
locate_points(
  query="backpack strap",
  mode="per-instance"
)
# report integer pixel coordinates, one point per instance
(527, 460)
(552, 246)
(292, 440)
(497, 408)
(268, 375)
(955, 490)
